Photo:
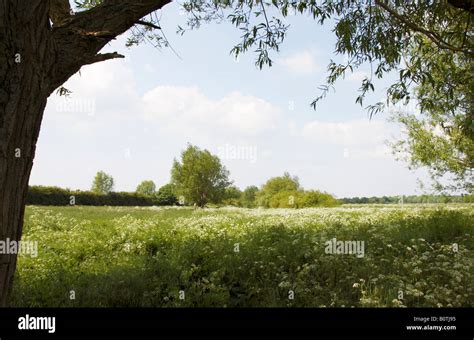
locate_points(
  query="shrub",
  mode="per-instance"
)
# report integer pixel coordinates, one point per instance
(317, 199)
(40, 195)
(275, 186)
(166, 195)
(286, 199)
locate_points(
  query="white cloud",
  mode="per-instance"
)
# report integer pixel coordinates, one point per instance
(179, 108)
(301, 63)
(107, 90)
(99, 89)
(380, 151)
(98, 79)
(352, 133)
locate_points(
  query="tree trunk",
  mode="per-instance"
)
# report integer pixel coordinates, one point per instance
(35, 59)
(23, 96)
(15, 168)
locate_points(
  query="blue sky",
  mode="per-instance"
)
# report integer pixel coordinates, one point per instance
(131, 117)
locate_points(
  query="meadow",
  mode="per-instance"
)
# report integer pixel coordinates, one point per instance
(414, 255)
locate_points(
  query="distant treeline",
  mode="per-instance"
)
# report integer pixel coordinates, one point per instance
(41, 195)
(251, 197)
(409, 199)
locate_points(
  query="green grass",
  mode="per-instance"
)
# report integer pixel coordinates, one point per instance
(121, 256)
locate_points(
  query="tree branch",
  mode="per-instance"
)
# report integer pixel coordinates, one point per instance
(148, 24)
(116, 16)
(266, 18)
(433, 36)
(78, 41)
(103, 57)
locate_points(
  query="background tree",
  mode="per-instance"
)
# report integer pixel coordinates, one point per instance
(442, 139)
(146, 188)
(249, 196)
(299, 199)
(232, 196)
(284, 184)
(200, 177)
(285, 199)
(103, 183)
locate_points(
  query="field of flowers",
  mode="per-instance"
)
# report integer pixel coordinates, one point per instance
(414, 255)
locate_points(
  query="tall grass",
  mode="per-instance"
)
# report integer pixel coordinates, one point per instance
(122, 256)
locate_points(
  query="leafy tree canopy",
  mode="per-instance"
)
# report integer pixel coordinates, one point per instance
(103, 183)
(275, 185)
(200, 177)
(233, 192)
(146, 188)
